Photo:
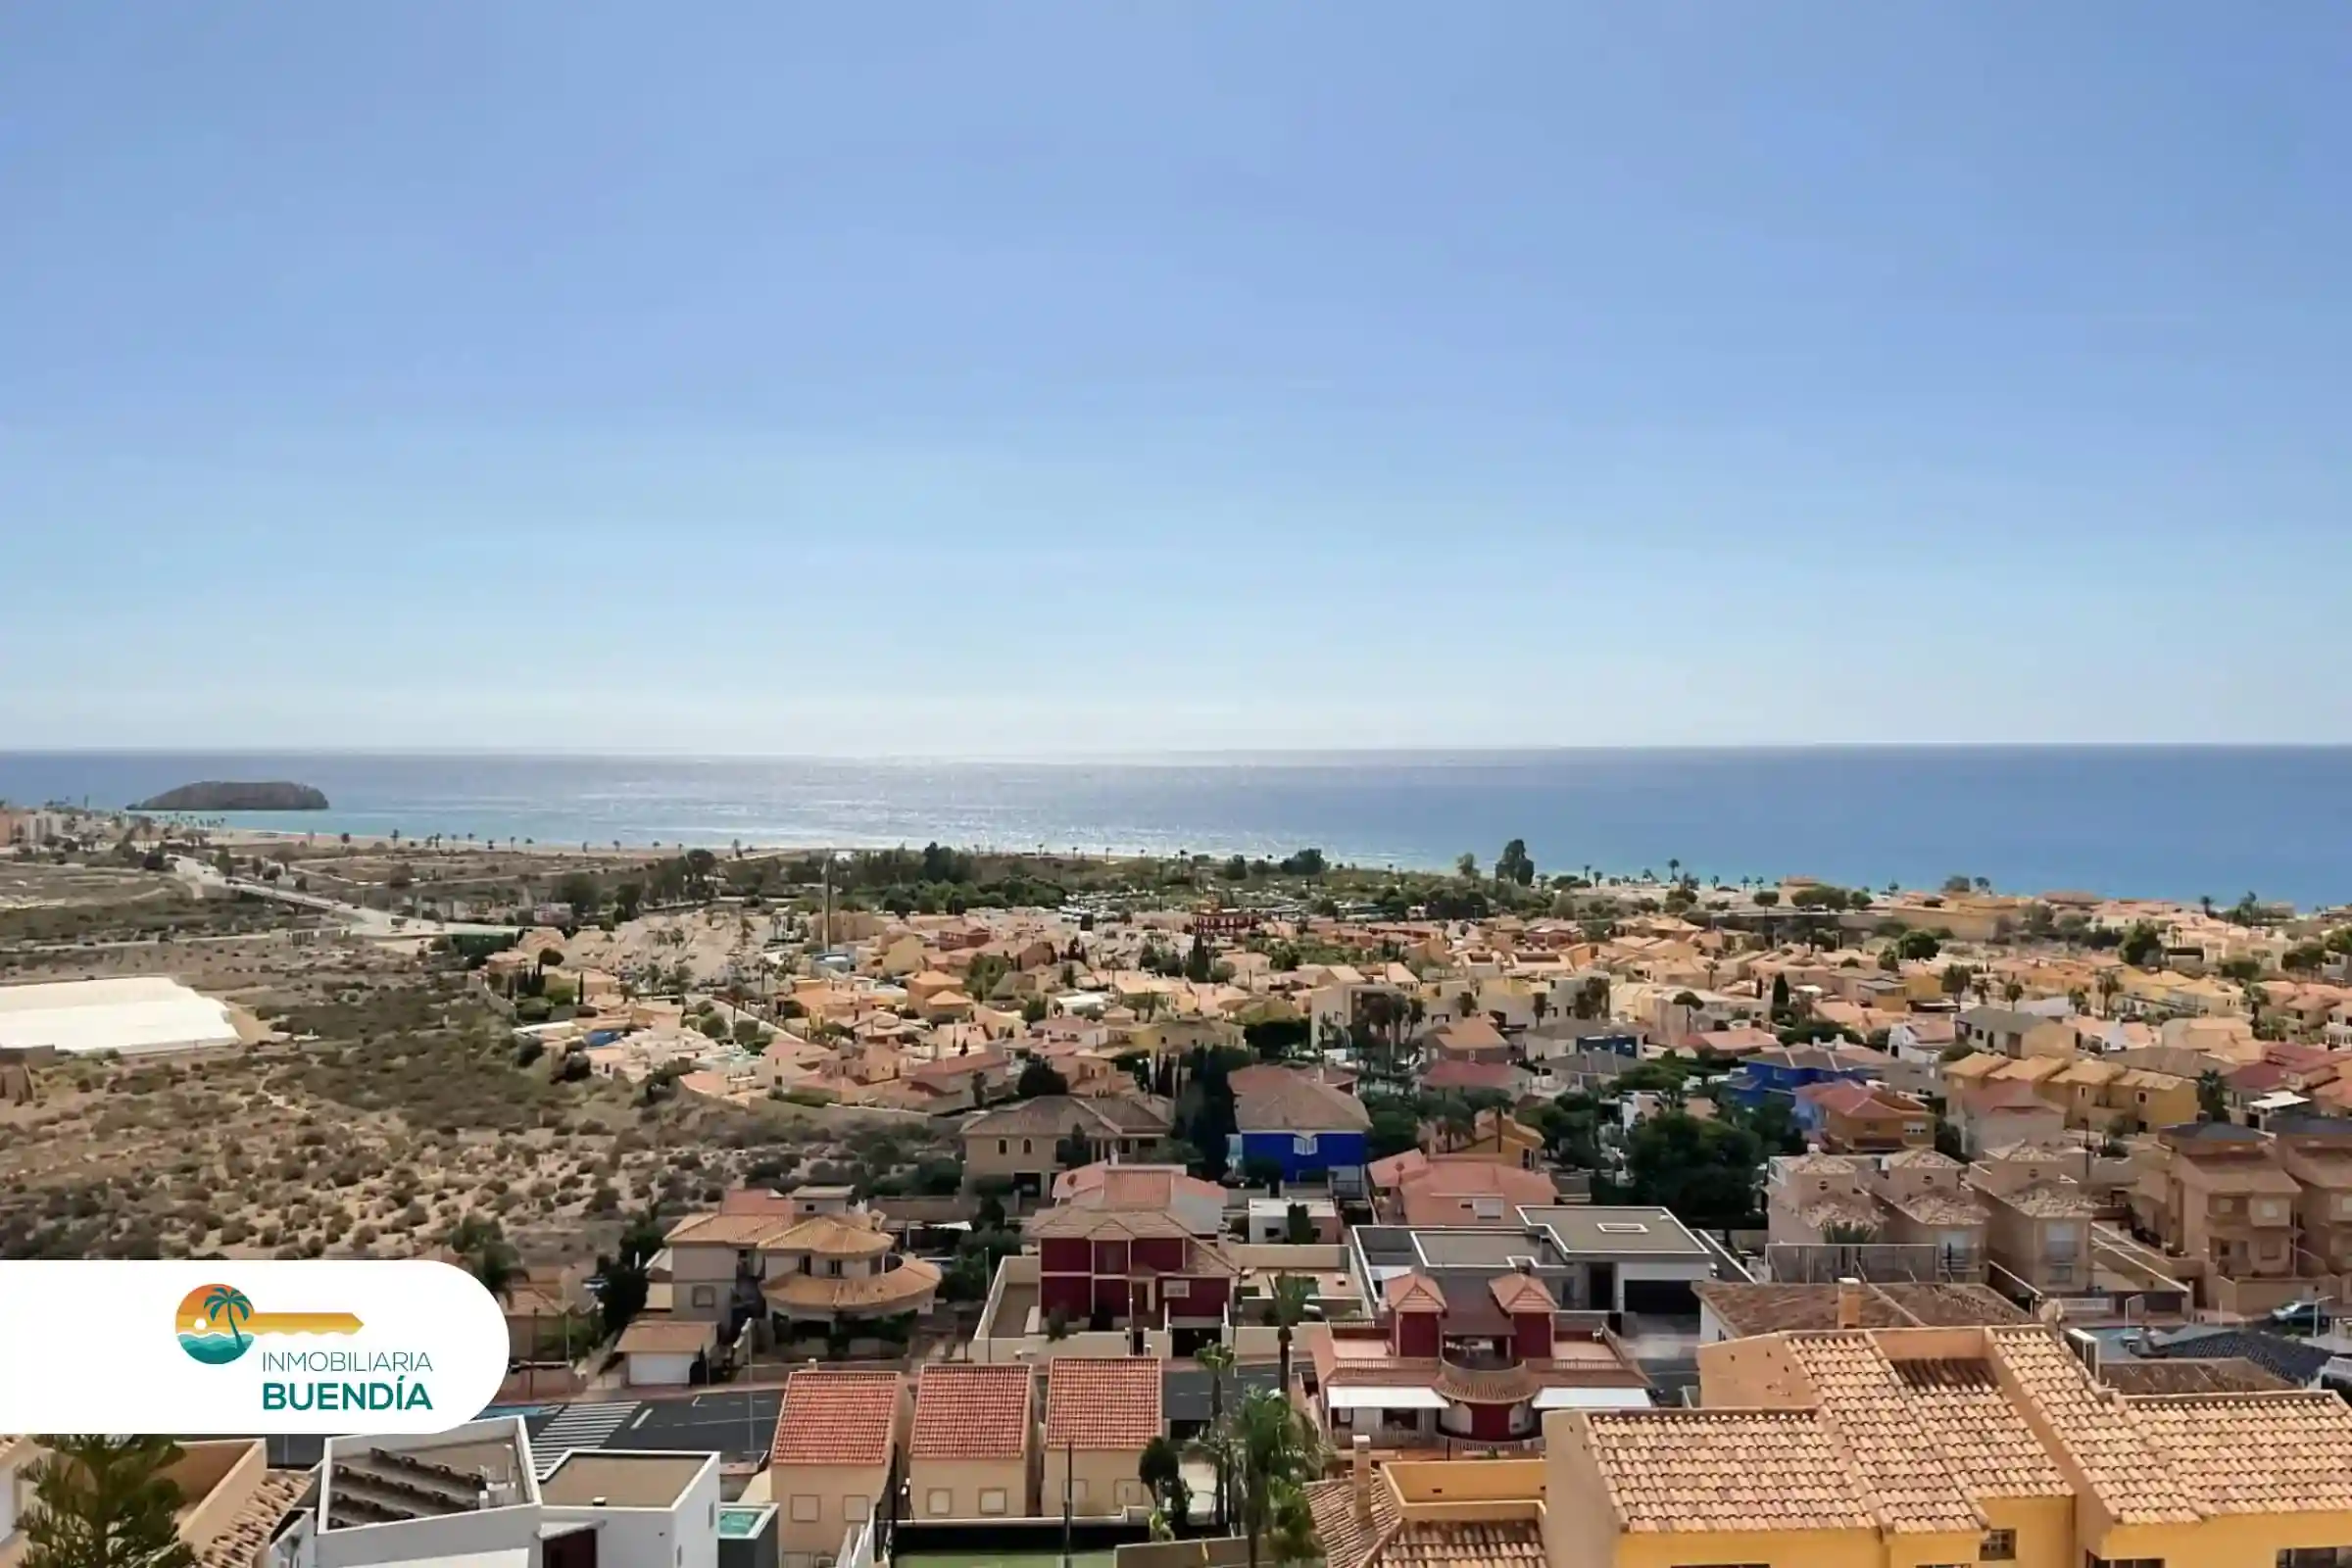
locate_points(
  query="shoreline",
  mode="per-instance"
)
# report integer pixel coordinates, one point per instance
(2177, 824)
(1627, 883)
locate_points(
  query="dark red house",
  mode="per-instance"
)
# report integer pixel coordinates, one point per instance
(1132, 1269)
(1472, 1363)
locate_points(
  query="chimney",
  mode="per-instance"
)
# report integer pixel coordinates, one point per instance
(1849, 1303)
(1360, 1475)
(1522, 1266)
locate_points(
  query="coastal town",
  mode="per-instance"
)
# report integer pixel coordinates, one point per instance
(942, 1207)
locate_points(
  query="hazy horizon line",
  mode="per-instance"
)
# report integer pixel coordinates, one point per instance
(1178, 756)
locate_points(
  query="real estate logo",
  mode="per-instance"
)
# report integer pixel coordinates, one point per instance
(259, 1345)
(218, 1323)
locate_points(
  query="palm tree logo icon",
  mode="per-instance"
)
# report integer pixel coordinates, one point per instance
(218, 1323)
(211, 1324)
(227, 1301)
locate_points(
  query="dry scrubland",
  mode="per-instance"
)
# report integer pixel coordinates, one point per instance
(398, 1105)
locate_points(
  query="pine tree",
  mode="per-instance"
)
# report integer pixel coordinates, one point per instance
(105, 1502)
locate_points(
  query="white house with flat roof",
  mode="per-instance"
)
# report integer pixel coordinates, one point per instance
(471, 1497)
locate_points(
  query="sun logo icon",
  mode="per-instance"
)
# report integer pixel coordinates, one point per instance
(218, 1324)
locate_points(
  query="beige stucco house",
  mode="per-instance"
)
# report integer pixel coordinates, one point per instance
(973, 1450)
(831, 1458)
(1098, 1416)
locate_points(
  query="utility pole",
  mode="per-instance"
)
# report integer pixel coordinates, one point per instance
(1069, 1456)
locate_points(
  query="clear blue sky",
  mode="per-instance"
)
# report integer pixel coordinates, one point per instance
(1050, 378)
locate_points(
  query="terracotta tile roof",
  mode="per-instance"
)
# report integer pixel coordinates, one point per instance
(2048, 1199)
(1920, 1159)
(1348, 1540)
(1069, 1222)
(1521, 1292)
(725, 1229)
(1498, 1075)
(1392, 1171)
(971, 1412)
(1415, 1293)
(239, 1543)
(2226, 1375)
(1469, 1033)
(900, 1288)
(1054, 1115)
(1442, 1192)
(1724, 1470)
(2008, 1096)
(1748, 1310)
(1985, 1444)
(1296, 1102)
(1386, 1541)
(1461, 1544)
(1818, 1165)
(832, 1236)
(1932, 1307)
(2096, 1438)
(2254, 1453)
(1908, 1483)
(1103, 1405)
(837, 1416)
(666, 1335)
(1939, 1208)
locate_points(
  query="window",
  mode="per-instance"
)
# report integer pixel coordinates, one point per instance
(1131, 1495)
(1004, 1145)
(991, 1501)
(805, 1509)
(1024, 1146)
(2315, 1557)
(856, 1509)
(1303, 1144)
(2001, 1546)
(2091, 1561)
(1176, 1290)
(939, 1502)
(1622, 1227)
(705, 1296)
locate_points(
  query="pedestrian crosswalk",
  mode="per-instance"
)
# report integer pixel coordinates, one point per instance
(577, 1426)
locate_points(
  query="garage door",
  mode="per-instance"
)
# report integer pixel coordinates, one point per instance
(1663, 1298)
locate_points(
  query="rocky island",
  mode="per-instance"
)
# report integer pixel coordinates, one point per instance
(220, 795)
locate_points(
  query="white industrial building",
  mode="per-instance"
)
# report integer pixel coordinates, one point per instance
(133, 1016)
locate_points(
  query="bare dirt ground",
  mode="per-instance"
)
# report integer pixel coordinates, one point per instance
(408, 1111)
(389, 1099)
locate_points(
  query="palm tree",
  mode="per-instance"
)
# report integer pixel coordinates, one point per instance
(225, 1300)
(1540, 1004)
(1217, 1360)
(1288, 1307)
(1274, 1453)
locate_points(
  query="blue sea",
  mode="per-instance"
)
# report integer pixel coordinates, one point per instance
(2149, 822)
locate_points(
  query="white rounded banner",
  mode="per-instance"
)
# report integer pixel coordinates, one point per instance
(246, 1348)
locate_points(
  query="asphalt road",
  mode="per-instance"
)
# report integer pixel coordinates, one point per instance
(736, 1423)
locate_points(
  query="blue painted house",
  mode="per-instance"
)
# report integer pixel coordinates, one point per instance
(1310, 1127)
(1777, 1074)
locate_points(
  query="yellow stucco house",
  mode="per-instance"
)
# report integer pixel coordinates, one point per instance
(1883, 1448)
